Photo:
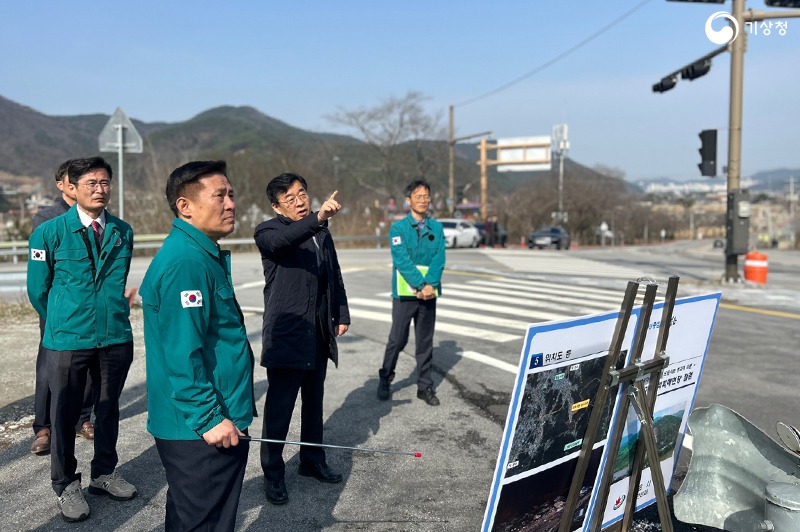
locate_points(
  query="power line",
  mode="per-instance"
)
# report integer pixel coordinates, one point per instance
(557, 58)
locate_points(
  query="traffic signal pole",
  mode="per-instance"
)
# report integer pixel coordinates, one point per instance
(737, 48)
(735, 229)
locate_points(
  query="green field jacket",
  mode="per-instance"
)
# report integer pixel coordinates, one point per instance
(199, 360)
(77, 289)
(411, 249)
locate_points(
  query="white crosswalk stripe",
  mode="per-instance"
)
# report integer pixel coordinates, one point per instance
(587, 295)
(559, 263)
(441, 326)
(446, 313)
(499, 310)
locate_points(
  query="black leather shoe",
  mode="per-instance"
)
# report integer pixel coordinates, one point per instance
(41, 444)
(86, 430)
(321, 472)
(384, 389)
(275, 491)
(429, 396)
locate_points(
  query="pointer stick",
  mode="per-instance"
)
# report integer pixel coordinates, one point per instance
(265, 440)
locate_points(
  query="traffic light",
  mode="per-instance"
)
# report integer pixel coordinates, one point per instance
(782, 3)
(665, 84)
(695, 70)
(708, 152)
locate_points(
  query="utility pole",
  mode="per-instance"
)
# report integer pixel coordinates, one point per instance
(452, 170)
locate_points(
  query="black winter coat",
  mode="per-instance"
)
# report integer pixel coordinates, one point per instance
(291, 274)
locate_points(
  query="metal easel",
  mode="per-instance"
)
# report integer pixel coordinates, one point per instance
(631, 379)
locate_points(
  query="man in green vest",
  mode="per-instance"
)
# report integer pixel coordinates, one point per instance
(417, 243)
(200, 396)
(77, 270)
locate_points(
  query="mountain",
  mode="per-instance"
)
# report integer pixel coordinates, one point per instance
(232, 129)
(258, 147)
(776, 181)
(34, 144)
(768, 181)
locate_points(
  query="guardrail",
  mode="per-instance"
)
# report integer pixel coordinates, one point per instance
(18, 248)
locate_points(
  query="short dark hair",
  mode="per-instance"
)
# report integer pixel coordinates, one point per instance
(187, 176)
(77, 168)
(61, 173)
(281, 184)
(414, 185)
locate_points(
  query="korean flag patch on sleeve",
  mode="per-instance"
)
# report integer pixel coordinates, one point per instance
(191, 298)
(396, 241)
(38, 254)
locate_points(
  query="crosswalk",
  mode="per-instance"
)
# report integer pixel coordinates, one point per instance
(560, 263)
(499, 310)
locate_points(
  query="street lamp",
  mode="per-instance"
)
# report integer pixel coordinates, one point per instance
(560, 147)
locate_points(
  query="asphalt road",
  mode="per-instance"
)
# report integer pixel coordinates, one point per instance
(749, 368)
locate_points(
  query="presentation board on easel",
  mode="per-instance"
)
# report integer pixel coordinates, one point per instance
(560, 371)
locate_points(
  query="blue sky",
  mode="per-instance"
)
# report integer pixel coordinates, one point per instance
(301, 61)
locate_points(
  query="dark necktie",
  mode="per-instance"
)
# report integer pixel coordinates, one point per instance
(98, 233)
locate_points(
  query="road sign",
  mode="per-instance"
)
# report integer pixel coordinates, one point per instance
(523, 154)
(120, 136)
(109, 137)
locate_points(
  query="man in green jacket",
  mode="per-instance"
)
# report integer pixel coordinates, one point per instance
(417, 243)
(200, 396)
(41, 394)
(77, 270)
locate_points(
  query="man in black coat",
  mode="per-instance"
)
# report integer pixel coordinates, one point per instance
(305, 309)
(41, 397)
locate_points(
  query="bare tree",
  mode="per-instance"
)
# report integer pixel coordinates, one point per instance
(397, 129)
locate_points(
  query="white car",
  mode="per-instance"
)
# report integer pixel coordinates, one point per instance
(460, 233)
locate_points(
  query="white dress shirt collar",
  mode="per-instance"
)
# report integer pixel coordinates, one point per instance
(87, 220)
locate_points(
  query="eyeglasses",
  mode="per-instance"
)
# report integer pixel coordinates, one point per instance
(92, 185)
(421, 198)
(291, 201)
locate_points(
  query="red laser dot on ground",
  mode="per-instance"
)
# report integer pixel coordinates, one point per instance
(417, 455)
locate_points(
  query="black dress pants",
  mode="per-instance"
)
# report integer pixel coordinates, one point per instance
(423, 312)
(67, 372)
(281, 397)
(204, 484)
(41, 394)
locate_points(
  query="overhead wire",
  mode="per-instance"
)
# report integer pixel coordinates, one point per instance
(557, 58)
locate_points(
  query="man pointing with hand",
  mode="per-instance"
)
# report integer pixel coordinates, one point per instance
(305, 309)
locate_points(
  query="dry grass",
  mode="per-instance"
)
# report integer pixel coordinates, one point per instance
(19, 311)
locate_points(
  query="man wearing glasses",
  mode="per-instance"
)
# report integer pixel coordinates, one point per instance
(417, 243)
(77, 270)
(41, 397)
(305, 309)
